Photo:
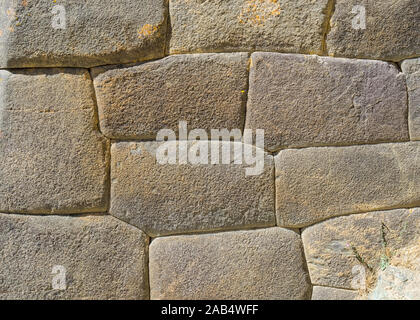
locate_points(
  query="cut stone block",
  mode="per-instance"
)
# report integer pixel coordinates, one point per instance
(73, 33)
(349, 252)
(326, 293)
(411, 69)
(164, 199)
(302, 100)
(206, 90)
(258, 264)
(239, 25)
(52, 157)
(85, 257)
(384, 30)
(315, 184)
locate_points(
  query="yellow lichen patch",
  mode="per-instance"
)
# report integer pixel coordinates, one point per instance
(147, 30)
(257, 12)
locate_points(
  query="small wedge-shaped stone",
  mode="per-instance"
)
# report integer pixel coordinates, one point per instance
(327, 293)
(314, 184)
(348, 252)
(302, 100)
(259, 264)
(74, 33)
(206, 90)
(411, 69)
(247, 25)
(84, 257)
(385, 30)
(52, 157)
(164, 199)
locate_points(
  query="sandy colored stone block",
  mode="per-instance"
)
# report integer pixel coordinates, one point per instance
(247, 25)
(349, 252)
(315, 184)
(389, 31)
(86, 257)
(52, 157)
(206, 90)
(164, 199)
(411, 69)
(302, 100)
(258, 264)
(327, 293)
(73, 33)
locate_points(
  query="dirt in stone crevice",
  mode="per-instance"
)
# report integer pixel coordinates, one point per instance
(326, 25)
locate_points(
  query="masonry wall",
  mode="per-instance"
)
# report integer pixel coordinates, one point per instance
(87, 210)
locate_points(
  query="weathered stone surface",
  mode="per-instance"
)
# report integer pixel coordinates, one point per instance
(206, 90)
(314, 184)
(96, 32)
(245, 25)
(327, 293)
(411, 69)
(166, 199)
(259, 264)
(401, 279)
(302, 100)
(99, 257)
(52, 157)
(347, 251)
(391, 31)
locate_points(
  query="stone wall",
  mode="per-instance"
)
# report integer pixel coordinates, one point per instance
(89, 212)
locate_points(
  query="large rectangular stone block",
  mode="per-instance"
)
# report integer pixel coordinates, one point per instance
(52, 157)
(315, 184)
(259, 264)
(302, 100)
(168, 198)
(411, 69)
(73, 33)
(247, 25)
(85, 257)
(206, 90)
(349, 252)
(385, 30)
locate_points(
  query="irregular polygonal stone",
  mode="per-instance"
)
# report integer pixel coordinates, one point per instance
(314, 184)
(327, 293)
(245, 25)
(206, 90)
(85, 257)
(411, 69)
(80, 33)
(52, 157)
(259, 264)
(348, 252)
(386, 30)
(302, 100)
(164, 199)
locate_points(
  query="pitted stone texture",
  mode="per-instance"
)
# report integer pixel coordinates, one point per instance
(98, 257)
(411, 69)
(391, 32)
(96, 32)
(327, 293)
(206, 90)
(166, 199)
(340, 252)
(247, 25)
(259, 264)
(52, 157)
(302, 100)
(315, 184)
